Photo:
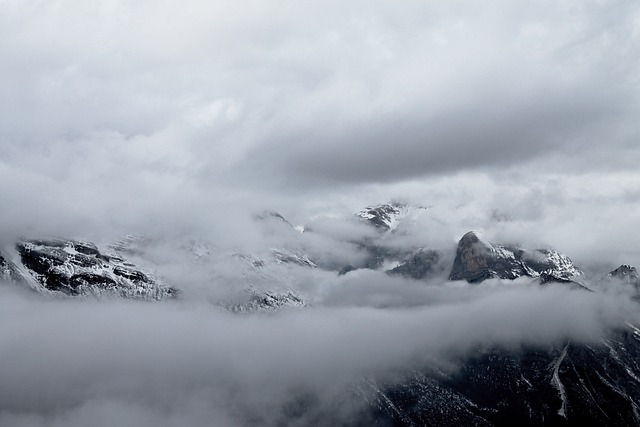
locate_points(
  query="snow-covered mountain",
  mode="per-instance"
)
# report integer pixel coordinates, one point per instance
(386, 216)
(563, 383)
(78, 268)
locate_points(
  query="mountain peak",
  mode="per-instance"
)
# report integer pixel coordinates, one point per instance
(477, 260)
(625, 273)
(385, 216)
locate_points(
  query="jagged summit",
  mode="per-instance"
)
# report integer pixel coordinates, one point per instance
(385, 216)
(477, 260)
(625, 273)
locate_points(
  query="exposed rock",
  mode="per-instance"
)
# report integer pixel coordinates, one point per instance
(419, 265)
(78, 268)
(385, 216)
(266, 301)
(477, 260)
(568, 385)
(626, 274)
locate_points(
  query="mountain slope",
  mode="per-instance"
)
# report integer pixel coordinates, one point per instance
(77, 268)
(564, 385)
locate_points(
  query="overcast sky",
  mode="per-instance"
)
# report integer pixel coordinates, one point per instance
(117, 112)
(185, 118)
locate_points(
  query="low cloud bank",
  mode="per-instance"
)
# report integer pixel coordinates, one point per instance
(75, 363)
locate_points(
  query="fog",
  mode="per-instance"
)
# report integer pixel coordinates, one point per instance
(184, 363)
(184, 121)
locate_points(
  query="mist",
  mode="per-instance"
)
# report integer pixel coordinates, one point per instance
(68, 362)
(184, 122)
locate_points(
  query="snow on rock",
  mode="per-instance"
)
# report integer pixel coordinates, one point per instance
(477, 260)
(386, 216)
(78, 268)
(266, 301)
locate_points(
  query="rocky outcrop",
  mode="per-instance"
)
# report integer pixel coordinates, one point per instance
(384, 217)
(626, 274)
(419, 265)
(266, 301)
(477, 260)
(77, 268)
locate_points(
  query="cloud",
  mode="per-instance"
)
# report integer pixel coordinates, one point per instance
(65, 362)
(180, 121)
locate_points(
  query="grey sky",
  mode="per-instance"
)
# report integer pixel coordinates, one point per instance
(182, 119)
(121, 115)
(124, 115)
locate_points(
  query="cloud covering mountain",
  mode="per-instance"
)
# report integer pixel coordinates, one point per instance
(180, 121)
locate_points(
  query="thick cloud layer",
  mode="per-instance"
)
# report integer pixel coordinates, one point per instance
(172, 116)
(76, 363)
(182, 120)
(314, 94)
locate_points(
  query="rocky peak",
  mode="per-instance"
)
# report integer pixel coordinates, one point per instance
(625, 273)
(477, 260)
(385, 216)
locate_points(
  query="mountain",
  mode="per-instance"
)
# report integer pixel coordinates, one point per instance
(394, 220)
(266, 301)
(626, 274)
(477, 260)
(419, 265)
(385, 216)
(78, 268)
(561, 384)
(564, 385)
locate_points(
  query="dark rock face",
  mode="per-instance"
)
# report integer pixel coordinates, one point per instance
(567, 385)
(78, 268)
(477, 260)
(418, 265)
(377, 254)
(626, 274)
